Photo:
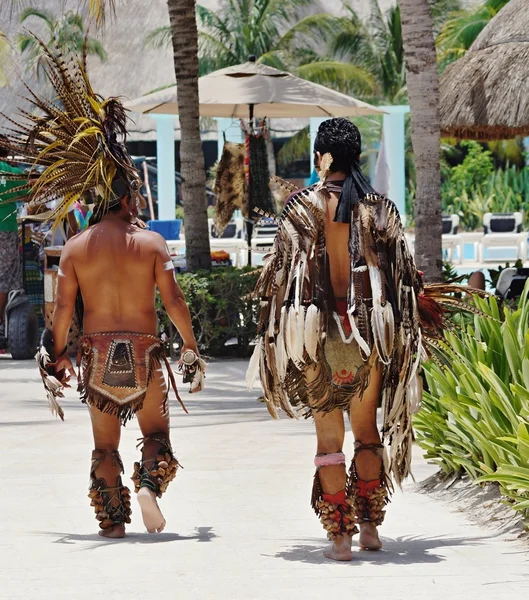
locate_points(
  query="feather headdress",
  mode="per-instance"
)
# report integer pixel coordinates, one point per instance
(74, 142)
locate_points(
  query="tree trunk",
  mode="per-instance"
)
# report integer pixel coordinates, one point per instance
(423, 94)
(185, 51)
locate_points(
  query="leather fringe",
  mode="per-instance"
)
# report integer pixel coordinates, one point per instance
(127, 411)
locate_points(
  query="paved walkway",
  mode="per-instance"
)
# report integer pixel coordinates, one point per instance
(239, 521)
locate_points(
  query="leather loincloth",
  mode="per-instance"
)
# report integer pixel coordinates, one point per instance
(116, 369)
(341, 373)
(344, 359)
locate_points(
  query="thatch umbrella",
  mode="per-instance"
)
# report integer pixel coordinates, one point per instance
(485, 94)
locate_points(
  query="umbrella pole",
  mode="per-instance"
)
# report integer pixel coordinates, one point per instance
(249, 220)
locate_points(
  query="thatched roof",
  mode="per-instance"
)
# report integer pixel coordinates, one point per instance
(485, 94)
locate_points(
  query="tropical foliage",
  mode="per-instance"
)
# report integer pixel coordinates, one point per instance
(277, 34)
(475, 415)
(460, 31)
(224, 316)
(66, 32)
(474, 187)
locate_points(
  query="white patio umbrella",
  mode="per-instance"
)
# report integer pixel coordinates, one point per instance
(272, 93)
(253, 90)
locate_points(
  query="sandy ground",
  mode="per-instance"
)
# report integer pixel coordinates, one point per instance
(239, 520)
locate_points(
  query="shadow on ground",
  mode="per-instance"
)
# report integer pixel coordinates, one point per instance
(202, 534)
(399, 551)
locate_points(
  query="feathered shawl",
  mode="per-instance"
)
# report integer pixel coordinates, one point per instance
(295, 303)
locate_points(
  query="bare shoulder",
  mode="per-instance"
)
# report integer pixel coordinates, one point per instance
(150, 238)
(74, 244)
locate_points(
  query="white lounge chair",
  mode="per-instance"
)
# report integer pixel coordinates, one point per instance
(451, 240)
(503, 230)
(263, 236)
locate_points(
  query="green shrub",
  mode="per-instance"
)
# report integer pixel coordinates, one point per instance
(500, 191)
(475, 416)
(220, 309)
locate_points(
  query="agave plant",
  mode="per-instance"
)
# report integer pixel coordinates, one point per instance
(475, 416)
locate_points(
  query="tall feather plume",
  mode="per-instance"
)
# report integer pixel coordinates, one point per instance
(77, 138)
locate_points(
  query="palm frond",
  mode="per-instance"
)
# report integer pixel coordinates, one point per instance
(343, 77)
(158, 38)
(100, 9)
(298, 146)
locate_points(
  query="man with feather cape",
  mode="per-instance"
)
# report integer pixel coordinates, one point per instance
(345, 321)
(114, 266)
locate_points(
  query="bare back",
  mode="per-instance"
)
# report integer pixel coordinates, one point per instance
(114, 262)
(337, 242)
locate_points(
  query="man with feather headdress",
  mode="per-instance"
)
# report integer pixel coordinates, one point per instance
(343, 325)
(114, 267)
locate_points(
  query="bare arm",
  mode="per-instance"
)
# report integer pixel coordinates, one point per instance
(172, 296)
(67, 287)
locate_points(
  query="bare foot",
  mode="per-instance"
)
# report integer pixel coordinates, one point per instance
(369, 539)
(150, 511)
(340, 549)
(116, 531)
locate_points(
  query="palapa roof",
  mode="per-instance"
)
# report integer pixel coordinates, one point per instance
(485, 94)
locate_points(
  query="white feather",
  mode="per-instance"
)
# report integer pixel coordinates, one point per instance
(312, 331)
(383, 327)
(281, 356)
(357, 336)
(415, 394)
(289, 337)
(300, 335)
(253, 367)
(382, 321)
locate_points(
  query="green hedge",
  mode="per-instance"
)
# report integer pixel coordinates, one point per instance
(475, 416)
(224, 318)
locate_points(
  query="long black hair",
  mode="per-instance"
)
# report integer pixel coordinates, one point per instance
(341, 138)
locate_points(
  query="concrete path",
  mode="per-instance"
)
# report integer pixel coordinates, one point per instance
(239, 521)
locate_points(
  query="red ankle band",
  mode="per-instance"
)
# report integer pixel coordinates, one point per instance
(364, 487)
(338, 498)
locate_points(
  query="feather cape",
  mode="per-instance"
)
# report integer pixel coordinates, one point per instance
(405, 316)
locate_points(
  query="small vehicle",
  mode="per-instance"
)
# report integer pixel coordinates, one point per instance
(20, 335)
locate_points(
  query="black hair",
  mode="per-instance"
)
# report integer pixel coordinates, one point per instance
(342, 139)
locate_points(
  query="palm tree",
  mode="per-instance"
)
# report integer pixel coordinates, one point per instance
(423, 94)
(66, 32)
(185, 50)
(463, 27)
(376, 46)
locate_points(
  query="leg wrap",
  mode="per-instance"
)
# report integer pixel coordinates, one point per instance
(111, 504)
(335, 511)
(155, 473)
(369, 497)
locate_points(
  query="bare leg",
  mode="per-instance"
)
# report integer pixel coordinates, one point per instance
(153, 420)
(107, 432)
(363, 413)
(477, 280)
(330, 432)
